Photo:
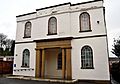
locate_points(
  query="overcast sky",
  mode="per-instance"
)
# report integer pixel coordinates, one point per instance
(9, 9)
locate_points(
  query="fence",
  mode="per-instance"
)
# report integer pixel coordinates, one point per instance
(6, 67)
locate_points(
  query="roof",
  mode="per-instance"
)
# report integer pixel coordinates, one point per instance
(26, 14)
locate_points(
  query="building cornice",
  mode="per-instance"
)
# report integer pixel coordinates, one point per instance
(26, 14)
(54, 6)
(63, 38)
(53, 39)
(85, 2)
(57, 6)
(24, 42)
(94, 36)
(92, 8)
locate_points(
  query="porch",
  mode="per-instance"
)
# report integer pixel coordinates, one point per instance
(49, 64)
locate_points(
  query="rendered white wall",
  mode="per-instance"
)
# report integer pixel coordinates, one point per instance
(19, 48)
(67, 22)
(53, 10)
(39, 28)
(63, 25)
(95, 15)
(67, 25)
(100, 59)
(21, 28)
(27, 17)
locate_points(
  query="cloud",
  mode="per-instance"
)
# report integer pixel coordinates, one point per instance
(11, 8)
(8, 29)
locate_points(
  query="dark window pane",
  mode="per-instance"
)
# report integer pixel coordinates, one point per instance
(27, 31)
(26, 55)
(86, 57)
(84, 22)
(52, 26)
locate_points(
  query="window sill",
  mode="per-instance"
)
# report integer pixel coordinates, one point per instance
(86, 31)
(52, 34)
(25, 66)
(27, 37)
(87, 67)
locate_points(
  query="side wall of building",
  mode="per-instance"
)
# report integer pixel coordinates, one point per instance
(96, 28)
(100, 59)
(96, 39)
(18, 69)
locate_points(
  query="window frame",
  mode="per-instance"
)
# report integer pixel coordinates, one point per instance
(49, 24)
(23, 59)
(25, 30)
(80, 22)
(86, 59)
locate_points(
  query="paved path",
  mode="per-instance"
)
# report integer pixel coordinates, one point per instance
(4, 80)
(19, 81)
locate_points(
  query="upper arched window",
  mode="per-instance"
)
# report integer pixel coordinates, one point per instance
(52, 26)
(25, 58)
(27, 31)
(86, 57)
(85, 22)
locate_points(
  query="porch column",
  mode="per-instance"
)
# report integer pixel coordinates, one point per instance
(68, 63)
(43, 63)
(38, 71)
(63, 63)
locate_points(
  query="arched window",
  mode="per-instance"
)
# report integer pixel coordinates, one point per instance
(27, 31)
(85, 22)
(26, 56)
(86, 57)
(52, 26)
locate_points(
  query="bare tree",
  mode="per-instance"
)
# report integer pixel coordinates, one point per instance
(116, 48)
(8, 44)
(2, 40)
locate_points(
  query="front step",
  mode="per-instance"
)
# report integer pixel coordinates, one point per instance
(44, 80)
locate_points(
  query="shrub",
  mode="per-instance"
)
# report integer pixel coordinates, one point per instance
(115, 71)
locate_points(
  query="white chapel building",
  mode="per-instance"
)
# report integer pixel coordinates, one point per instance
(65, 41)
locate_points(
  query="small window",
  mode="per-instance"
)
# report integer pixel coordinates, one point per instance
(59, 60)
(26, 56)
(87, 57)
(85, 22)
(52, 26)
(27, 31)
